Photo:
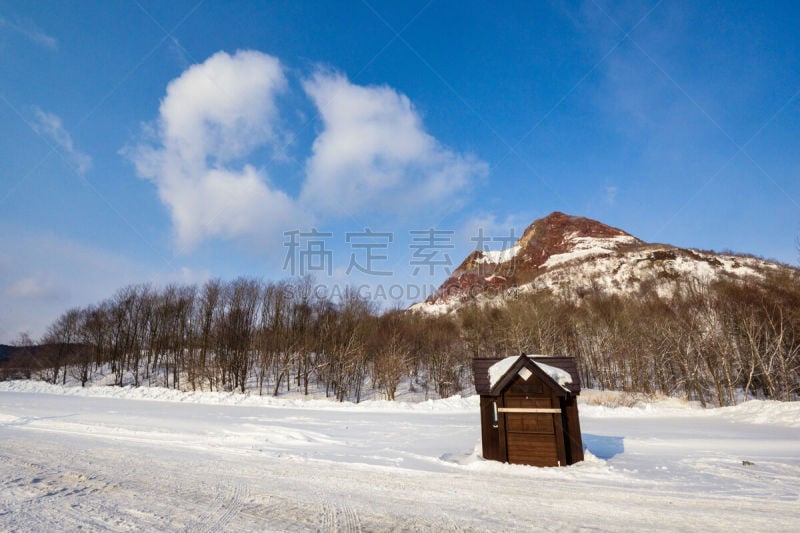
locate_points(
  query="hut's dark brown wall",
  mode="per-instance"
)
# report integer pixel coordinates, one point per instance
(572, 433)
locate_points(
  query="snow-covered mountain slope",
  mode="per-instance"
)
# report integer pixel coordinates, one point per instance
(667, 270)
(574, 256)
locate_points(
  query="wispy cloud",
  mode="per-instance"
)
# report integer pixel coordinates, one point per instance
(30, 31)
(32, 288)
(610, 195)
(178, 53)
(50, 126)
(488, 231)
(50, 273)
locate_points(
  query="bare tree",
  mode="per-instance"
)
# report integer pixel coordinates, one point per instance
(391, 354)
(59, 337)
(206, 313)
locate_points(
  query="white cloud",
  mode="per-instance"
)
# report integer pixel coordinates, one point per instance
(213, 115)
(374, 154)
(50, 126)
(30, 31)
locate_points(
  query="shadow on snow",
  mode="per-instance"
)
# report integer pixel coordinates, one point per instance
(602, 446)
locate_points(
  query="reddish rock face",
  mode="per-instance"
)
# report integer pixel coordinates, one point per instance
(553, 235)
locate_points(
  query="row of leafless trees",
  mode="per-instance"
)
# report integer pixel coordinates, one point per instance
(711, 345)
(248, 335)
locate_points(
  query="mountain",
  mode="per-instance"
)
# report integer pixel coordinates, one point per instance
(572, 256)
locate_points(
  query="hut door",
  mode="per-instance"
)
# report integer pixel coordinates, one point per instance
(532, 429)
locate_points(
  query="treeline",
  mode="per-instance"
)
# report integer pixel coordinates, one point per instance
(248, 335)
(713, 344)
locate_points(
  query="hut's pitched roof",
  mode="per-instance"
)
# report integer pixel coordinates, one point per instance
(485, 385)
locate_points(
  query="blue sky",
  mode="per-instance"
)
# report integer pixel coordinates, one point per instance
(158, 142)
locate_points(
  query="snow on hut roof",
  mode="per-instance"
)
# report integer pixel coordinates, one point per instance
(561, 377)
(501, 368)
(481, 367)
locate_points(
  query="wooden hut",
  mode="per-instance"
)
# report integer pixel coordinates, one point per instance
(529, 409)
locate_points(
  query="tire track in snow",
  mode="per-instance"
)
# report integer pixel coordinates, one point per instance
(347, 519)
(340, 517)
(42, 488)
(230, 506)
(327, 518)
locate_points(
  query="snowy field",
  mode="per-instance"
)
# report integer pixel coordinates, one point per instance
(153, 459)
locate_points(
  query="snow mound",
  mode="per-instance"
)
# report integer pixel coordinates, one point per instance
(786, 414)
(454, 404)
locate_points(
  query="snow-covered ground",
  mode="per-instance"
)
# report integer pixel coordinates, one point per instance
(152, 459)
